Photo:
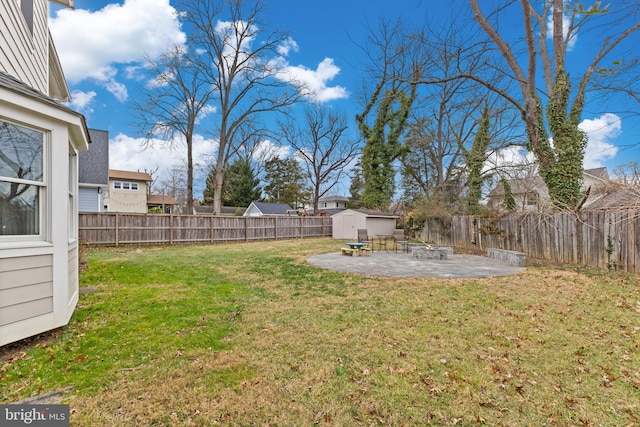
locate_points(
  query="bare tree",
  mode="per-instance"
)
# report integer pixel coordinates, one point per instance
(240, 57)
(174, 103)
(324, 147)
(552, 113)
(174, 185)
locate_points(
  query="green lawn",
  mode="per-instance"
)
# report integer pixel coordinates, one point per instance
(249, 334)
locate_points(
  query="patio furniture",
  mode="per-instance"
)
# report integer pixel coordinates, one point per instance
(382, 240)
(364, 238)
(356, 249)
(399, 240)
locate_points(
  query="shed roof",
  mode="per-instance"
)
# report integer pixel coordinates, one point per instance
(370, 213)
(160, 199)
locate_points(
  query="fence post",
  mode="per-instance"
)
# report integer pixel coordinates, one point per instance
(275, 227)
(579, 239)
(116, 230)
(171, 229)
(246, 228)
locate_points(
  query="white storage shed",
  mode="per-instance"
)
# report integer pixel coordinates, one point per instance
(347, 223)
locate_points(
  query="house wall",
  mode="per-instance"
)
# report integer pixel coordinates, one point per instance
(35, 278)
(22, 54)
(130, 201)
(252, 210)
(20, 279)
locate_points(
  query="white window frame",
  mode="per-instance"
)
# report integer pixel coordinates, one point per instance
(72, 214)
(125, 185)
(43, 193)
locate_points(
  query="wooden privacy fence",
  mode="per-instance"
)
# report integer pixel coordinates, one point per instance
(602, 239)
(141, 229)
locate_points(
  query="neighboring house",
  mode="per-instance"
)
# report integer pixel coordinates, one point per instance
(127, 191)
(623, 198)
(40, 139)
(531, 193)
(164, 202)
(333, 202)
(347, 223)
(269, 209)
(327, 206)
(93, 175)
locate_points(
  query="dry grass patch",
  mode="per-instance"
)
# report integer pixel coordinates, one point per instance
(297, 345)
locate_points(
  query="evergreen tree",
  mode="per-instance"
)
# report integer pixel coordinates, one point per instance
(239, 188)
(509, 201)
(285, 182)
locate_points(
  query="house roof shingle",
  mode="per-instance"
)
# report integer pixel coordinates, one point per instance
(272, 208)
(134, 176)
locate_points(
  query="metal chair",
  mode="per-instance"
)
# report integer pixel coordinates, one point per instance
(399, 239)
(363, 237)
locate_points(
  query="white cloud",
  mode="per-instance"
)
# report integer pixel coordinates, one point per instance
(600, 131)
(514, 162)
(287, 46)
(128, 153)
(316, 80)
(228, 31)
(117, 89)
(91, 43)
(267, 150)
(206, 111)
(81, 101)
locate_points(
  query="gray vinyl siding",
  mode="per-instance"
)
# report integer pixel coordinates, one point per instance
(26, 288)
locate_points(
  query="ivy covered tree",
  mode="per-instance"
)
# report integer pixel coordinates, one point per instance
(552, 113)
(475, 159)
(285, 182)
(356, 187)
(383, 146)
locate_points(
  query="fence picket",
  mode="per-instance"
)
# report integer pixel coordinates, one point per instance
(564, 237)
(119, 228)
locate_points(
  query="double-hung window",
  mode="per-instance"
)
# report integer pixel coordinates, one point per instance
(22, 183)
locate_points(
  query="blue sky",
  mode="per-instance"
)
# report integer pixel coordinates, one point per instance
(101, 44)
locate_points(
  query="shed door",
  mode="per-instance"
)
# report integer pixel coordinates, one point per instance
(349, 227)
